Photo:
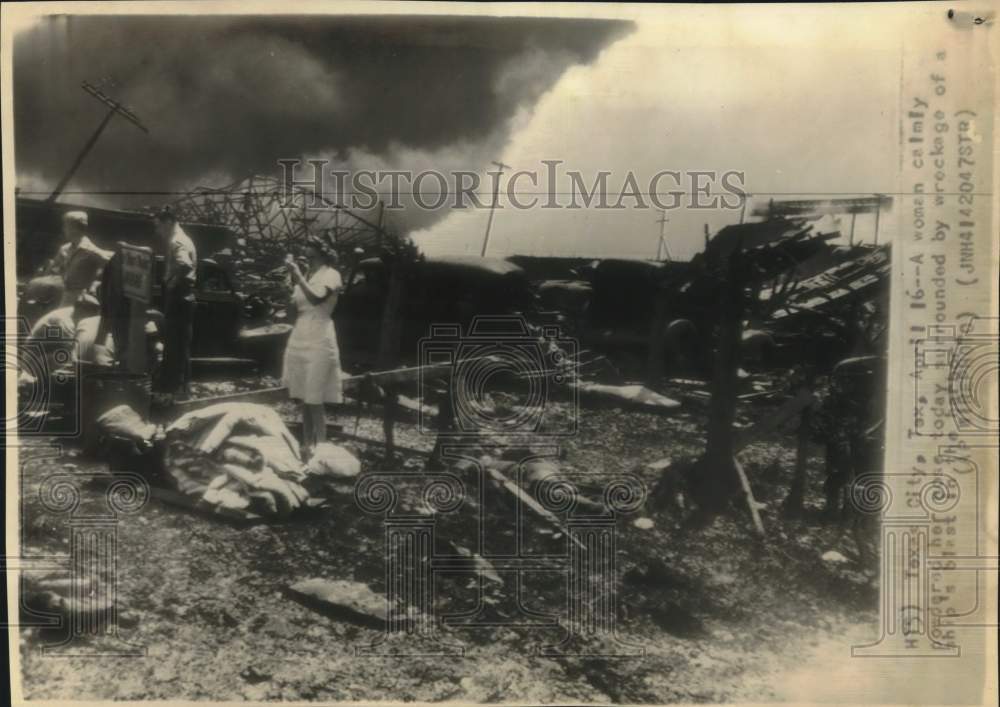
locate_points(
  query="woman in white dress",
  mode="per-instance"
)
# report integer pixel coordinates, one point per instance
(311, 369)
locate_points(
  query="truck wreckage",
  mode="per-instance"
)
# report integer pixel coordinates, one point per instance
(230, 325)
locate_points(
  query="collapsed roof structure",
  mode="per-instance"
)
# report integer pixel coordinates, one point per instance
(261, 208)
(797, 268)
(803, 285)
(862, 270)
(271, 220)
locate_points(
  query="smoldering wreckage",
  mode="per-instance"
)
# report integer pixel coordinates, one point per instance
(772, 332)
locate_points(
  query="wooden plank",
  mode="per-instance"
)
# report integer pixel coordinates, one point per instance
(261, 395)
(526, 499)
(796, 493)
(720, 438)
(758, 524)
(350, 382)
(204, 361)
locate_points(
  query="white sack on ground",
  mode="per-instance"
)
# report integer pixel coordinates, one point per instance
(331, 460)
(216, 422)
(238, 456)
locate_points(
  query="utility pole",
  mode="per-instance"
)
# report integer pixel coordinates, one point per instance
(114, 108)
(496, 194)
(661, 247)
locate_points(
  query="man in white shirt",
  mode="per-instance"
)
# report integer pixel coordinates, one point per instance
(75, 243)
(74, 233)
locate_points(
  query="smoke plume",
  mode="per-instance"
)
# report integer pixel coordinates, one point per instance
(226, 97)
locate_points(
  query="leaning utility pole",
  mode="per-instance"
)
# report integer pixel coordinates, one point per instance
(114, 108)
(496, 194)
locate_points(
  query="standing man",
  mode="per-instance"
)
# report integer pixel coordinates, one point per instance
(179, 303)
(74, 235)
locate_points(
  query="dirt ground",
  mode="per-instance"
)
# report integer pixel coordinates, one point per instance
(720, 615)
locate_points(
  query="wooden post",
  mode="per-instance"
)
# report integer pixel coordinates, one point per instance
(657, 336)
(390, 407)
(720, 445)
(445, 423)
(793, 502)
(388, 354)
(136, 360)
(389, 331)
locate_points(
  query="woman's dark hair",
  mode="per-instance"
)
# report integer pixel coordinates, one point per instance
(325, 248)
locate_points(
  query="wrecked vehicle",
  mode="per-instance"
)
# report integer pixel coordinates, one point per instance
(229, 326)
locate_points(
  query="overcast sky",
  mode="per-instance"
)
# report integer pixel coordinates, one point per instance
(804, 102)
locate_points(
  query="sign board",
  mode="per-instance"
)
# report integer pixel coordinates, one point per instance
(137, 272)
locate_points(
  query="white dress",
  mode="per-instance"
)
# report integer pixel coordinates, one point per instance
(311, 370)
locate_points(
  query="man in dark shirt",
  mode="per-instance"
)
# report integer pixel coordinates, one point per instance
(179, 303)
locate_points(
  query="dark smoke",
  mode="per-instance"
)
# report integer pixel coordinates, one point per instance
(225, 97)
